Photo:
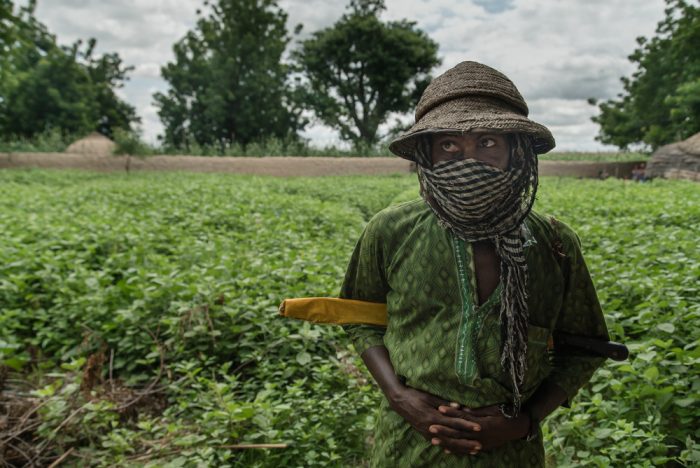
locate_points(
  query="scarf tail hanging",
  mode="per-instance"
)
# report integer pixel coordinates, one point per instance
(513, 312)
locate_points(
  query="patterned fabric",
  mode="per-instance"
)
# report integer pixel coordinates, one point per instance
(472, 316)
(477, 201)
(406, 259)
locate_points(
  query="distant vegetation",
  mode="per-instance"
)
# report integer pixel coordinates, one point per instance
(602, 156)
(660, 103)
(50, 89)
(51, 141)
(129, 143)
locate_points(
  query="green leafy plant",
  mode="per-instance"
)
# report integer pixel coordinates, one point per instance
(140, 323)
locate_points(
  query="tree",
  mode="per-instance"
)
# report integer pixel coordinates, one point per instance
(7, 24)
(361, 69)
(108, 73)
(660, 103)
(228, 83)
(23, 40)
(47, 87)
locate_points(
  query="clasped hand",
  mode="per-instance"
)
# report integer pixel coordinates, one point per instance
(457, 429)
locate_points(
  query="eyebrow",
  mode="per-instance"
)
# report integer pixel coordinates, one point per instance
(448, 136)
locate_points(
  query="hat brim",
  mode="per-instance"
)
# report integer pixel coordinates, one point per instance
(468, 114)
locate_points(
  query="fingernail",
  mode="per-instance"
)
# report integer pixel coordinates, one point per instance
(433, 429)
(447, 451)
(436, 441)
(477, 428)
(473, 453)
(454, 404)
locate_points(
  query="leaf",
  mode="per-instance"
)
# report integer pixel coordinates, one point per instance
(652, 373)
(648, 356)
(14, 363)
(667, 327)
(303, 358)
(685, 402)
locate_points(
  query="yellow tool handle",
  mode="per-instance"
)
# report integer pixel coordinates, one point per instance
(334, 310)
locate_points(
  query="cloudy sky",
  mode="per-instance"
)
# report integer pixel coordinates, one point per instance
(558, 52)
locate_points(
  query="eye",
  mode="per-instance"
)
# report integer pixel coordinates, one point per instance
(487, 142)
(449, 146)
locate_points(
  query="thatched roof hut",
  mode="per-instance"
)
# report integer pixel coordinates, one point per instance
(95, 144)
(677, 161)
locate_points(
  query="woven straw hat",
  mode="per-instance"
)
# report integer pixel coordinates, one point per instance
(467, 97)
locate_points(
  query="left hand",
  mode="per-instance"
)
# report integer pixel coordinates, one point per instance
(494, 429)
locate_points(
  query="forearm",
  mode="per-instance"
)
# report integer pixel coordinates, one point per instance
(379, 365)
(548, 397)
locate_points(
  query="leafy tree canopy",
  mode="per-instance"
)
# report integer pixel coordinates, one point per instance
(47, 87)
(228, 83)
(661, 100)
(361, 69)
(7, 22)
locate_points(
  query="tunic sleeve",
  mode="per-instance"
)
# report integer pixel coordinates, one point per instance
(365, 280)
(581, 314)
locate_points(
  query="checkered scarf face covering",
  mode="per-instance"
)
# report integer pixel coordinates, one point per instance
(478, 202)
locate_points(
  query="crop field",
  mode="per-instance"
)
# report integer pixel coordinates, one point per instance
(139, 323)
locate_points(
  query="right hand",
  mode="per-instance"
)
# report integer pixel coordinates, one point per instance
(420, 410)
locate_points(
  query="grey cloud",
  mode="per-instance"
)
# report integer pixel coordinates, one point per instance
(578, 138)
(560, 112)
(140, 93)
(151, 70)
(137, 30)
(569, 120)
(578, 78)
(312, 14)
(495, 6)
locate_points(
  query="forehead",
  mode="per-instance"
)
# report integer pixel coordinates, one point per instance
(472, 135)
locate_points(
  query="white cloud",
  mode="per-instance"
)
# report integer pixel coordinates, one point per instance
(557, 52)
(141, 32)
(556, 111)
(312, 14)
(150, 70)
(569, 120)
(151, 125)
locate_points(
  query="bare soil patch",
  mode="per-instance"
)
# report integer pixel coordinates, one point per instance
(278, 166)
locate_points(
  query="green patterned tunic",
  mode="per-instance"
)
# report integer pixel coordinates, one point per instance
(440, 341)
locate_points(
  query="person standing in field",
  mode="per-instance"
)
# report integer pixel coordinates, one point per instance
(475, 283)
